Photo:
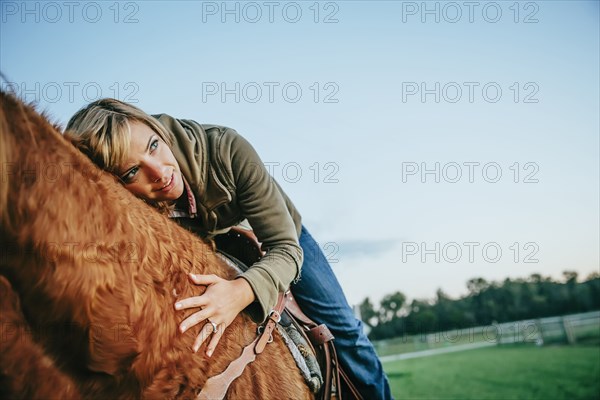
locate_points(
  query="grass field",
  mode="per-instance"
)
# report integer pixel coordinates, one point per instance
(505, 372)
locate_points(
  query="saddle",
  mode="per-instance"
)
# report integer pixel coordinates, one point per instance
(318, 364)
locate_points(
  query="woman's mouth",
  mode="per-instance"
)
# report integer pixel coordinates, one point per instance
(169, 185)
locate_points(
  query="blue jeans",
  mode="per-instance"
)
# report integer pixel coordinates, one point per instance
(320, 296)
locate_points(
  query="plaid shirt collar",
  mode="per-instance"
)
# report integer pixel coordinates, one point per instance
(191, 211)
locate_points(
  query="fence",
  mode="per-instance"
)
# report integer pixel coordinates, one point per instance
(575, 328)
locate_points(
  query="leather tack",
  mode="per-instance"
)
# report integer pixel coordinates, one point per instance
(320, 334)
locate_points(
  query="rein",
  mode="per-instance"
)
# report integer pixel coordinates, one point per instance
(216, 386)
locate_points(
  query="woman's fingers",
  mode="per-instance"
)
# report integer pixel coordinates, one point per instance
(217, 304)
(205, 332)
(205, 302)
(197, 301)
(191, 302)
(193, 319)
(215, 340)
(204, 279)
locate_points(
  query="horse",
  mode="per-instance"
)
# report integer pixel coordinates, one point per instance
(89, 275)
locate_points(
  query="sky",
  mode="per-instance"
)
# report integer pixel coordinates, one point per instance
(424, 143)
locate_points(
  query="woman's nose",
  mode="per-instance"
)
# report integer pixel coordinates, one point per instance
(156, 172)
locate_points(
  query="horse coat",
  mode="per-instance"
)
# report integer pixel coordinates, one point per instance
(89, 276)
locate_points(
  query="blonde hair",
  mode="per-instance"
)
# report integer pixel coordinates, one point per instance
(101, 130)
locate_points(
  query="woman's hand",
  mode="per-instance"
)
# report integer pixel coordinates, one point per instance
(222, 301)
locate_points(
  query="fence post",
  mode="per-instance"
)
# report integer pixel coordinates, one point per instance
(568, 331)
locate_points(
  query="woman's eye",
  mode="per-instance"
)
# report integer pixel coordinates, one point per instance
(129, 175)
(154, 145)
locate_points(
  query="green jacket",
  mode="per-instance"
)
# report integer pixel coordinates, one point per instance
(230, 184)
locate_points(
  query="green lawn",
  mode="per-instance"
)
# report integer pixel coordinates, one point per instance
(506, 372)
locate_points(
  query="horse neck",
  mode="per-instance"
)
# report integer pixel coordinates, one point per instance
(61, 210)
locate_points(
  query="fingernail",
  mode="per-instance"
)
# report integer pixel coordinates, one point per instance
(182, 328)
(177, 306)
(195, 349)
(209, 353)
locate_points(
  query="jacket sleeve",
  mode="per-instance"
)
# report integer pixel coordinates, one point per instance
(262, 203)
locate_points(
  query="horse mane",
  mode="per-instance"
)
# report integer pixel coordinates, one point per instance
(95, 273)
(6, 143)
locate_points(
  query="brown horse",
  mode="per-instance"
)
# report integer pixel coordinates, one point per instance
(89, 276)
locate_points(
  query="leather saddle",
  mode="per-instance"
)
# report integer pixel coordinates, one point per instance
(241, 247)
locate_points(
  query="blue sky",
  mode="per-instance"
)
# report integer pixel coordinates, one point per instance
(336, 108)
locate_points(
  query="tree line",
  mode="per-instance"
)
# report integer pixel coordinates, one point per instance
(486, 303)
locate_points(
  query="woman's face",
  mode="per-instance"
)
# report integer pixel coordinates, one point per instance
(151, 171)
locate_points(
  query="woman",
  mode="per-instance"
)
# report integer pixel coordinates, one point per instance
(209, 178)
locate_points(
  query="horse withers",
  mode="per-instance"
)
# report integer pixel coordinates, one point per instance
(89, 276)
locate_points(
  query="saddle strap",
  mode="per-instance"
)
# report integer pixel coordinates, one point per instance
(319, 334)
(336, 381)
(349, 386)
(321, 338)
(296, 312)
(216, 386)
(274, 317)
